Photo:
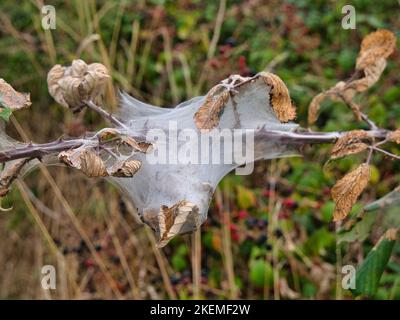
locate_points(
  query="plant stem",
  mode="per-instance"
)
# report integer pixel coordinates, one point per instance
(108, 116)
(288, 137)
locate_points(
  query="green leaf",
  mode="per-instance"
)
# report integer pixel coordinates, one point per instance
(5, 113)
(371, 270)
(245, 198)
(260, 273)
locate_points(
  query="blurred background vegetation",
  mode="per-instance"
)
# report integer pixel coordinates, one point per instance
(269, 235)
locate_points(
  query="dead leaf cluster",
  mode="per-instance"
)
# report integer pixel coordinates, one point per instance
(72, 86)
(376, 47)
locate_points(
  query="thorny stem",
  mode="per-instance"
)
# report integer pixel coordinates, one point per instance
(291, 137)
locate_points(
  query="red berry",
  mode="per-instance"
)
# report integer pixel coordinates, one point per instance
(289, 203)
(235, 236)
(89, 263)
(242, 214)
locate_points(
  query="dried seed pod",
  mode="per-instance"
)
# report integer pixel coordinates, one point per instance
(347, 190)
(126, 168)
(353, 142)
(279, 96)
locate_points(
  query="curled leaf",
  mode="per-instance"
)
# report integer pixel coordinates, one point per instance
(10, 173)
(371, 62)
(141, 146)
(279, 96)
(71, 86)
(347, 190)
(208, 115)
(376, 45)
(11, 100)
(125, 168)
(92, 165)
(352, 142)
(394, 136)
(172, 220)
(107, 134)
(85, 160)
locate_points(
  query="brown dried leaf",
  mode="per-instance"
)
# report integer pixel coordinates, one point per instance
(314, 106)
(107, 134)
(140, 146)
(347, 190)
(279, 96)
(12, 99)
(71, 158)
(376, 45)
(391, 234)
(10, 173)
(92, 165)
(394, 136)
(353, 142)
(71, 86)
(125, 168)
(372, 74)
(85, 160)
(171, 220)
(55, 74)
(208, 115)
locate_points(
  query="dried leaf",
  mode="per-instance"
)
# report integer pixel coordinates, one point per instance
(372, 74)
(171, 220)
(85, 160)
(279, 96)
(14, 100)
(394, 136)
(376, 45)
(347, 190)
(313, 109)
(71, 158)
(92, 165)
(353, 142)
(391, 234)
(141, 146)
(71, 86)
(108, 134)
(10, 173)
(125, 168)
(208, 115)
(55, 74)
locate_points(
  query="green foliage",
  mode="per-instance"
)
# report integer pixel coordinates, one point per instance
(371, 270)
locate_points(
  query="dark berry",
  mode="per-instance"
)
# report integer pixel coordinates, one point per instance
(278, 233)
(261, 240)
(251, 222)
(175, 280)
(231, 42)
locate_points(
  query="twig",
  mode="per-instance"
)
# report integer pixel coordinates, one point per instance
(108, 116)
(385, 152)
(289, 137)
